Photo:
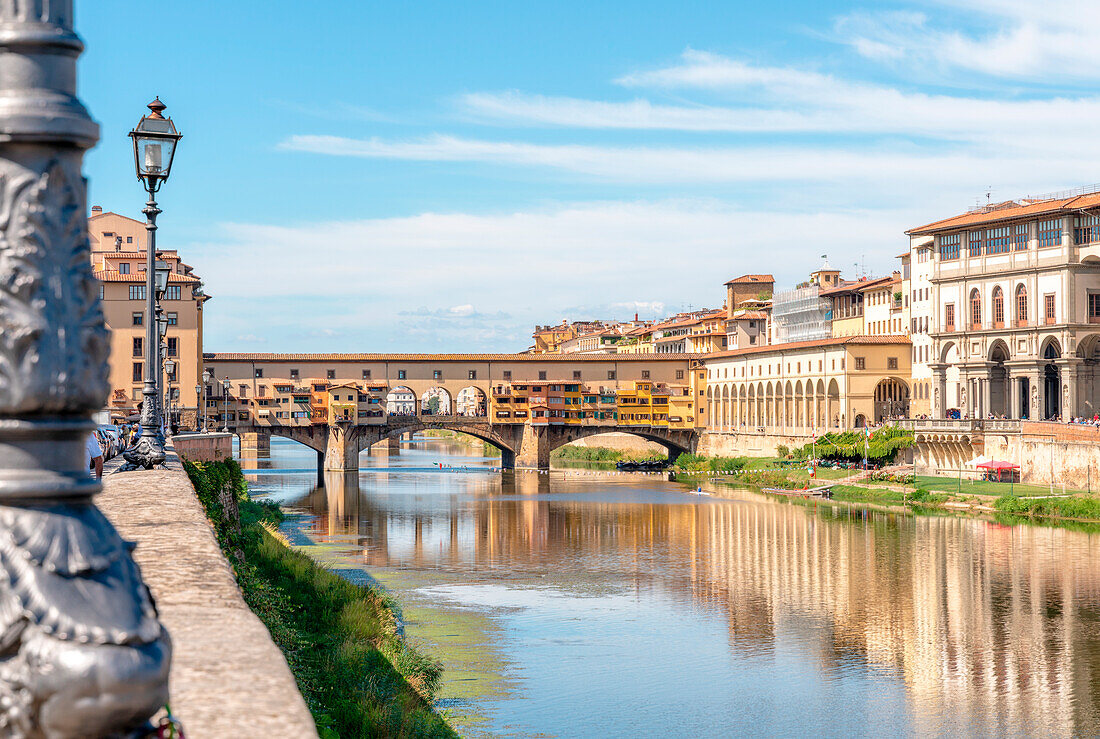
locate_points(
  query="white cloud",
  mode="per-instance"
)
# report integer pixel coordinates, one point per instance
(1049, 42)
(668, 165)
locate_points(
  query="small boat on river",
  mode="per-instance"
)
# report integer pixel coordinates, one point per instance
(650, 465)
(822, 491)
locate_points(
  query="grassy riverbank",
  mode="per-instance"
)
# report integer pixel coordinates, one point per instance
(601, 454)
(357, 675)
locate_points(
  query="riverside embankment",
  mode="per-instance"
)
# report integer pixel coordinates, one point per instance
(228, 678)
(357, 674)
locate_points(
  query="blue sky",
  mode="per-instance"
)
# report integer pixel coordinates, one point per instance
(441, 176)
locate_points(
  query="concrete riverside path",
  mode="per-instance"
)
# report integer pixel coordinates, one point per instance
(228, 677)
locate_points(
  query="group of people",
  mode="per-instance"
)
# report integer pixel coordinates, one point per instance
(94, 452)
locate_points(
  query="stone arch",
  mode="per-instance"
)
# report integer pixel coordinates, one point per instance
(759, 405)
(725, 407)
(743, 410)
(949, 352)
(819, 409)
(472, 402)
(711, 421)
(1051, 379)
(435, 401)
(891, 398)
(401, 401)
(482, 432)
(769, 414)
(674, 447)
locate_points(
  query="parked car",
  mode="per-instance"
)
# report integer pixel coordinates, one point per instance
(110, 440)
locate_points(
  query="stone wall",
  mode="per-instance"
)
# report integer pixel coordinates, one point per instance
(203, 447)
(715, 444)
(619, 442)
(1070, 457)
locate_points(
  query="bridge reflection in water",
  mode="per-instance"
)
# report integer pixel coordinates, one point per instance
(985, 628)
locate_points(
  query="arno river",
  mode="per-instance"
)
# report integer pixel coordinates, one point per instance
(576, 604)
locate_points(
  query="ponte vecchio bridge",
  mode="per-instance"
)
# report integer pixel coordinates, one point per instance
(526, 405)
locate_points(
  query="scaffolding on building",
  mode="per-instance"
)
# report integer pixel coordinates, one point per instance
(801, 314)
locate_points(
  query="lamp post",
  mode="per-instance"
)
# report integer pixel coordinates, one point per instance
(169, 373)
(155, 138)
(199, 422)
(225, 405)
(83, 652)
(206, 378)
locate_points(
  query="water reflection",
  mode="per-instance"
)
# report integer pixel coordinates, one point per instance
(658, 609)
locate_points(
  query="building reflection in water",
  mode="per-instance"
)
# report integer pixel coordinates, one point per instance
(1000, 623)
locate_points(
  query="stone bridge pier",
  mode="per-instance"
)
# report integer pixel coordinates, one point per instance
(522, 446)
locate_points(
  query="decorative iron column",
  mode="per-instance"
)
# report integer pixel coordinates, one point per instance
(81, 650)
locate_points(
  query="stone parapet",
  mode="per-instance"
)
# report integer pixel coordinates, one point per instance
(203, 447)
(228, 678)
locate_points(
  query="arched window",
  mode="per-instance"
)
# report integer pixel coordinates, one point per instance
(975, 310)
(998, 307)
(1021, 305)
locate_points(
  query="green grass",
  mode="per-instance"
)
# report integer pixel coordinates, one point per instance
(981, 487)
(357, 675)
(601, 454)
(701, 463)
(1077, 507)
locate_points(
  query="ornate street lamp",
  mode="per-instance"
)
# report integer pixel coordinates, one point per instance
(155, 139)
(83, 652)
(225, 405)
(206, 378)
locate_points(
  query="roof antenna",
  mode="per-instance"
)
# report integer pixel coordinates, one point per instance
(989, 196)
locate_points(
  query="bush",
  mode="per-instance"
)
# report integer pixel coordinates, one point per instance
(782, 451)
(1076, 506)
(700, 463)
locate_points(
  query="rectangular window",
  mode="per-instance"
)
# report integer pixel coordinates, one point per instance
(1019, 237)
(437, 374)
(996, 240)
(124, 268)
(508, 375)
(137, 346)
(330, 374)
(173, 319)
(974, 244)
(949, 246)
(137, 292)
(542, 374)
(401, 375)
(949, 317)
(173, 346)
(471, 375)
(861, 363)
(1048, 308)
(366, 374)
(645, 374)
(137, 371)
(173, 292)
(261, 391)
(611, 374)
(1050, 233)
(129, 239)
(1094, 307)
(294, 374)
(679, 374)
(242, 391)
(259, 372)
(576, 374)
(891, 363)
(137, 319)
(1086, 229)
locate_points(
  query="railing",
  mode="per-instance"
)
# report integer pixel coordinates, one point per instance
(957, 425)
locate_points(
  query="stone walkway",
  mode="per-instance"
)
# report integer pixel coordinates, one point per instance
(228, 678)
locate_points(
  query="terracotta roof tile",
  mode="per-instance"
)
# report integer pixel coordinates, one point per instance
(750, 279)
(1010, 211)
(565, 358)
(114, 276)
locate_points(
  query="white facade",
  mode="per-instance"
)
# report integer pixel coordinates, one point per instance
(917, 278)
(1016, 316)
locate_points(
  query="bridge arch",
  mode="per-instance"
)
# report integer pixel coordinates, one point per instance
(435, 401)
(674, 442)
(472, 402)
(401, 401)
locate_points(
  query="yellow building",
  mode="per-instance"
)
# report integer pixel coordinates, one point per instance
(118, 255)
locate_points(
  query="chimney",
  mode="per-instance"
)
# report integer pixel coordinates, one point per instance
(635, 317)
(97, 209)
